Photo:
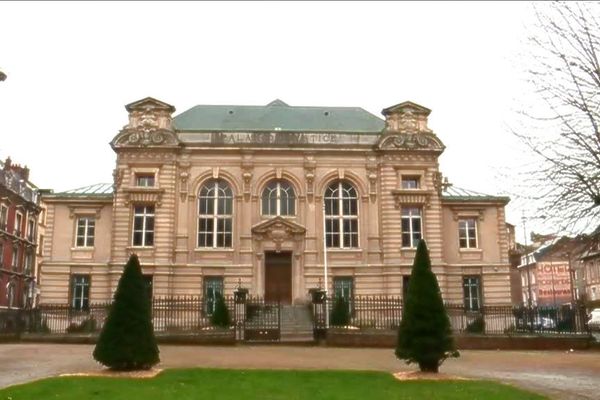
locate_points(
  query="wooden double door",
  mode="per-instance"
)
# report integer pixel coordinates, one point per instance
(278, 276)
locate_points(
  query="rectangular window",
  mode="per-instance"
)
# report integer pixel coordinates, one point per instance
(213, 286)
(3, 217)
(411, 227)
(15, 258)
(28, 263)
(410, 182)
(31, 230)
(143, 226)
(144, 180)
(18, 224)
(467, 233)
(149, 281)
(80, 292)
(405, 282)
(41, 246)
(86, 227)
(472, 292)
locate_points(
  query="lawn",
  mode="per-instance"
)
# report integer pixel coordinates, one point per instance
(184, 384)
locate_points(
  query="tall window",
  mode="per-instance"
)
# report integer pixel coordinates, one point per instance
(278, 198)
(143, 226)
(31, 230)
(15, 258)
(86, 227)
(213, 286)
(411, 226)
(215, 214)
(472, 293)
(18, 223)
(467, 233)
(28, 263)
(3, 217)
(80, 292)
(341, 215)
(10, 294)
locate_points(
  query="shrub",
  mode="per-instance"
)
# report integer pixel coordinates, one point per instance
(476, 326)
(340, 315)
(127, 339)
(220, 316)
(87, 325)
(425, 335)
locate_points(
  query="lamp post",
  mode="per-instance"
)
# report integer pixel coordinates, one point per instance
(527, 262)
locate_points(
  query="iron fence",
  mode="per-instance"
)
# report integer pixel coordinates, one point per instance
(364, 312)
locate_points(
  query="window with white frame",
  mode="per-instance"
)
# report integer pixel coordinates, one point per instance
(80, 292)
(18, 224)
(15, 258)
(278, 198)
(28, 263)
(31, 230)
(3, 217)
(412, 226)
(144, 180)
(215, 214)
(10, 294)
(341, 215)
(467, 233)
(86, 230)
(143, 226)
(1, 254)
(472, 293)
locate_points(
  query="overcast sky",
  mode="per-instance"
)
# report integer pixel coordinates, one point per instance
(73, 66)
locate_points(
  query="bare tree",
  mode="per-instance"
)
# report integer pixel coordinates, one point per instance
(564, 140)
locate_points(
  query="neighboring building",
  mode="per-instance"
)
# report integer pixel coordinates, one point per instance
(587, 275)
(221, 196)
(19, 210)
(515, 252)
(547, 273)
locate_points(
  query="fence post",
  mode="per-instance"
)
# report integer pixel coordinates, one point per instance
(240, 296)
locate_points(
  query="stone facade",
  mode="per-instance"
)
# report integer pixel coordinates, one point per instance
(388, 170)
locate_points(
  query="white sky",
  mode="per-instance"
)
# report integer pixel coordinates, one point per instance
(73, 66)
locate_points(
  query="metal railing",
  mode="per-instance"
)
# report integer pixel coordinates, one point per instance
(366, 312)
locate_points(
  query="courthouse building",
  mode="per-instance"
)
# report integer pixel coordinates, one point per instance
(224, 196)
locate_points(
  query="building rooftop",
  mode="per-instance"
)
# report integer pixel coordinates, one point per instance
(454, 193)
(278, 116)
(99, 189)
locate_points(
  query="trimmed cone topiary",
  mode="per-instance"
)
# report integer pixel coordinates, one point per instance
(340, 315)
(425, 335)
(127, 339)
(220, 316)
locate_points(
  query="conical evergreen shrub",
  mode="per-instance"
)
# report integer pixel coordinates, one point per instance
(340, 315)
(220, 316)
(127, 340)
(425, 335)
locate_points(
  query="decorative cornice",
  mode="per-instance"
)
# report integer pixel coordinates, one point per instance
(278, 230)
(399, 140)
(143, 195)
(411, 197)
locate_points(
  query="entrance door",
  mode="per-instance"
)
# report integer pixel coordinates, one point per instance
(278, 277)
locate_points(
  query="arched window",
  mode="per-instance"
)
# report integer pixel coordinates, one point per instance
(215, 211)
(341, 215)
(278, 198)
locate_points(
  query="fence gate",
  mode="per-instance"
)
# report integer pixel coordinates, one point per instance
(257, 320)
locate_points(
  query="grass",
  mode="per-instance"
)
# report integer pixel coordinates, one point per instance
(215, 384)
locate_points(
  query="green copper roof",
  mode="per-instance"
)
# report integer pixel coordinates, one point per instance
(99, 189)
(454, 193)
(278, 116)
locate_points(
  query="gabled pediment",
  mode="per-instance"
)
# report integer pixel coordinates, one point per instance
(278, 224)
(149, 103)
(407, 107)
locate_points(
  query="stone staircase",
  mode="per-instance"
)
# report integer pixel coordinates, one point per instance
(296, 324)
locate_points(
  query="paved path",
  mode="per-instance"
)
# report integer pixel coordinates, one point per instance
(560, 375)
